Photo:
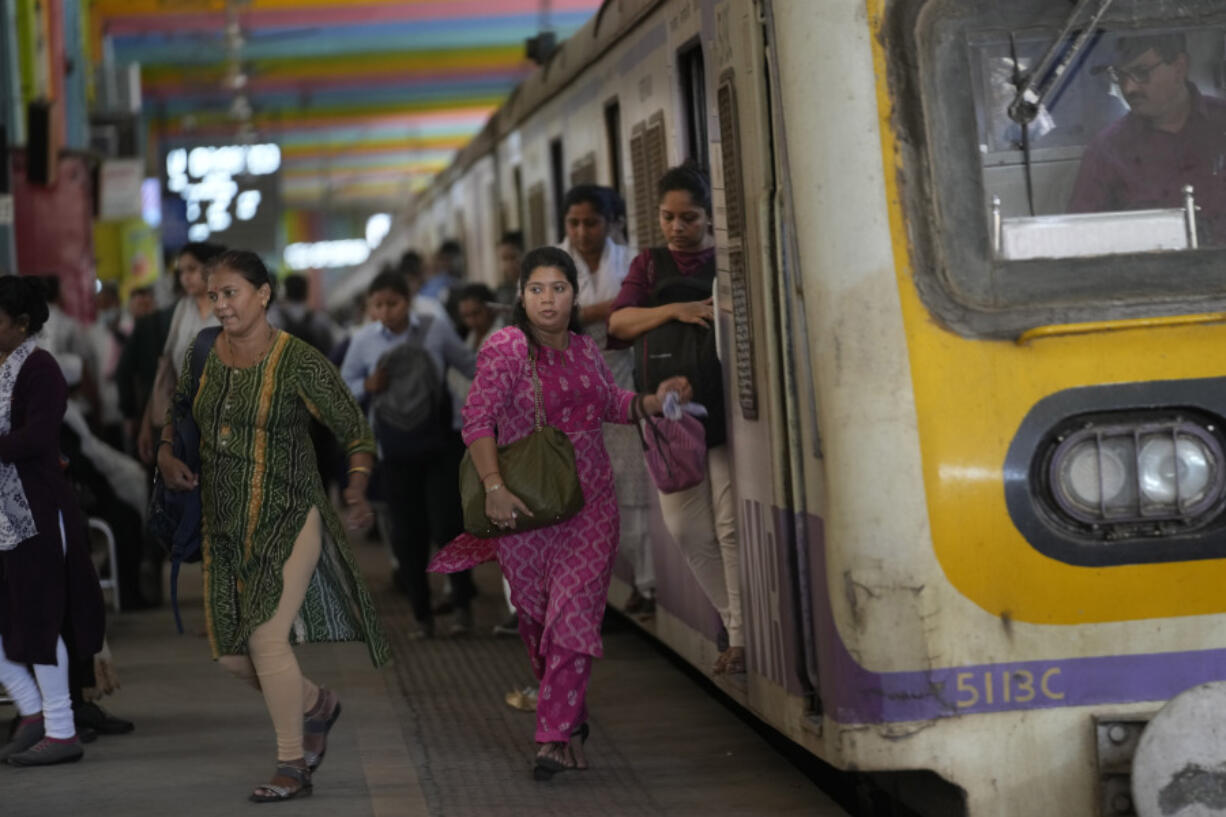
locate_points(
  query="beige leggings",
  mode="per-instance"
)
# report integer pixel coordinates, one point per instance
(702, 521)
(270, 665)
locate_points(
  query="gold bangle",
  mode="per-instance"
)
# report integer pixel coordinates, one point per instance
(359, 469)
(497, 486)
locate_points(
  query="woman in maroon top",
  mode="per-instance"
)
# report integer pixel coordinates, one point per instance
(50, 601)
(675, 285)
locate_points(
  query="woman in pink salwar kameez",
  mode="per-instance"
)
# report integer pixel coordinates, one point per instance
(559, 575)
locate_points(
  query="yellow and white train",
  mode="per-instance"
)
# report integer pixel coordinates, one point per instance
(978, 442)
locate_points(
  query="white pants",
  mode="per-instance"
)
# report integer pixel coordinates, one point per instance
(702, 521)
(45, 690)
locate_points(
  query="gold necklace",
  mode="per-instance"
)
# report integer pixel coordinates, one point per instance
(267, 346)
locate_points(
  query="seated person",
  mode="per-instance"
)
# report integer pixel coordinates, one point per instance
(1173, 135)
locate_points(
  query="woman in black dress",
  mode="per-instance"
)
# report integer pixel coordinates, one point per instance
(50, 602)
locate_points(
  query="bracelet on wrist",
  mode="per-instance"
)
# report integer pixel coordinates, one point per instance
(497, 486)
(161, 442)
(359, 469)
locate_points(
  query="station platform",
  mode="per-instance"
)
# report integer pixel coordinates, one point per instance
(429, 735)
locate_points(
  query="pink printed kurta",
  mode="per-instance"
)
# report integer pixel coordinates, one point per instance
(559, 575)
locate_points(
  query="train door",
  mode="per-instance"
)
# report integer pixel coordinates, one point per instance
(756, 351)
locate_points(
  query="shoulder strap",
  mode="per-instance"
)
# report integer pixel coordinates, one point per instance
(665, 266)
(200, 352)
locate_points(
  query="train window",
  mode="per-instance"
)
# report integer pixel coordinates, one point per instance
(642, 186)
(694, 92)
(613, 134)
(558, 181)
(583, 171)
(1108, 199)
(648, 161)
(656, 149)
(517, 181)
(537, 224)
(734, 218)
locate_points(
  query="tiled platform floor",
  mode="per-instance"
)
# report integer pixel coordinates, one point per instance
(428, 736)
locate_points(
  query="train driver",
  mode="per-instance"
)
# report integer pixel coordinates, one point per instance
(1173, 135)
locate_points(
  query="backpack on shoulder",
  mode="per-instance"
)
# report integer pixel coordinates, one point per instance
(175, 517)
(412, 414)
(304, 329)
(677, 348)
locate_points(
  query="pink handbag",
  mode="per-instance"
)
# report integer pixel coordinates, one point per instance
(675, 450)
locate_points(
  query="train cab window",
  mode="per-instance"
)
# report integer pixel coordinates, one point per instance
(1100, 193)
(1127, 156)
(694, 93)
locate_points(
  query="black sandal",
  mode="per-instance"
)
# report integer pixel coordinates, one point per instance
(318, 726)
(546, 766)
(272, 793)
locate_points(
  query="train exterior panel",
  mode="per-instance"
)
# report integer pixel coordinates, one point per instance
(899, 615)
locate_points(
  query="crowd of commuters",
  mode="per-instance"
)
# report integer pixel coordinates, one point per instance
(286, 402)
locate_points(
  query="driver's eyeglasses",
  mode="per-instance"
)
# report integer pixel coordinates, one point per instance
(1138, 74)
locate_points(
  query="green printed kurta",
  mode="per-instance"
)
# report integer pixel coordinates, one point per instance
(259, 482)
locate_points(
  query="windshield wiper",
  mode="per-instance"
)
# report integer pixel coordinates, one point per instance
(1043, 82)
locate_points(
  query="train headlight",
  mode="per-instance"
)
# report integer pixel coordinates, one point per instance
(1174, 471)
(1149, 471)
(1095, 475)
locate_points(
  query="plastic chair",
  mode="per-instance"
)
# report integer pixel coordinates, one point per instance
(111, 582)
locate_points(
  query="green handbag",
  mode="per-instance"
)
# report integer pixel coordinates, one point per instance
(539, 469)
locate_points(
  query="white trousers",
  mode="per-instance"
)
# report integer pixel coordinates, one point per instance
(45, 690)
(702, 521)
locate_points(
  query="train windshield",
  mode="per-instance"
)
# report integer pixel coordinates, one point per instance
(1101, 195)
(1127, 155)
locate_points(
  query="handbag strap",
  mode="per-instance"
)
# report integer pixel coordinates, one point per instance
(538, 400)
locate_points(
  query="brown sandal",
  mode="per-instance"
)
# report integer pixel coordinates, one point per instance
(274, 792)
(730, 662)
(553, 758)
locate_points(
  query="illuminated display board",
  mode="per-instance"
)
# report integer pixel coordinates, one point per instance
(232, 193)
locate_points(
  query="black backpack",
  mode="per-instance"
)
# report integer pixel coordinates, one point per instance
(677, 348)
(176, 517)
(412, 414)
(305, 329)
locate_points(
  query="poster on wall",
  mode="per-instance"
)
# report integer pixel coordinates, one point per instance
(128, 252)
(54, 231)
(119, 188)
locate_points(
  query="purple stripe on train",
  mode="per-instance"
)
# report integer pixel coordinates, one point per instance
(852, 694)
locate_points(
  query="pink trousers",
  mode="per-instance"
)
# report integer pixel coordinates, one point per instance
(561, 704)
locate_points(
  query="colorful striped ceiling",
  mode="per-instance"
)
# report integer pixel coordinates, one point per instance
(367, 99)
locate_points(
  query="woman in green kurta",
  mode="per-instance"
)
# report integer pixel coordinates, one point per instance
(277, 564)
